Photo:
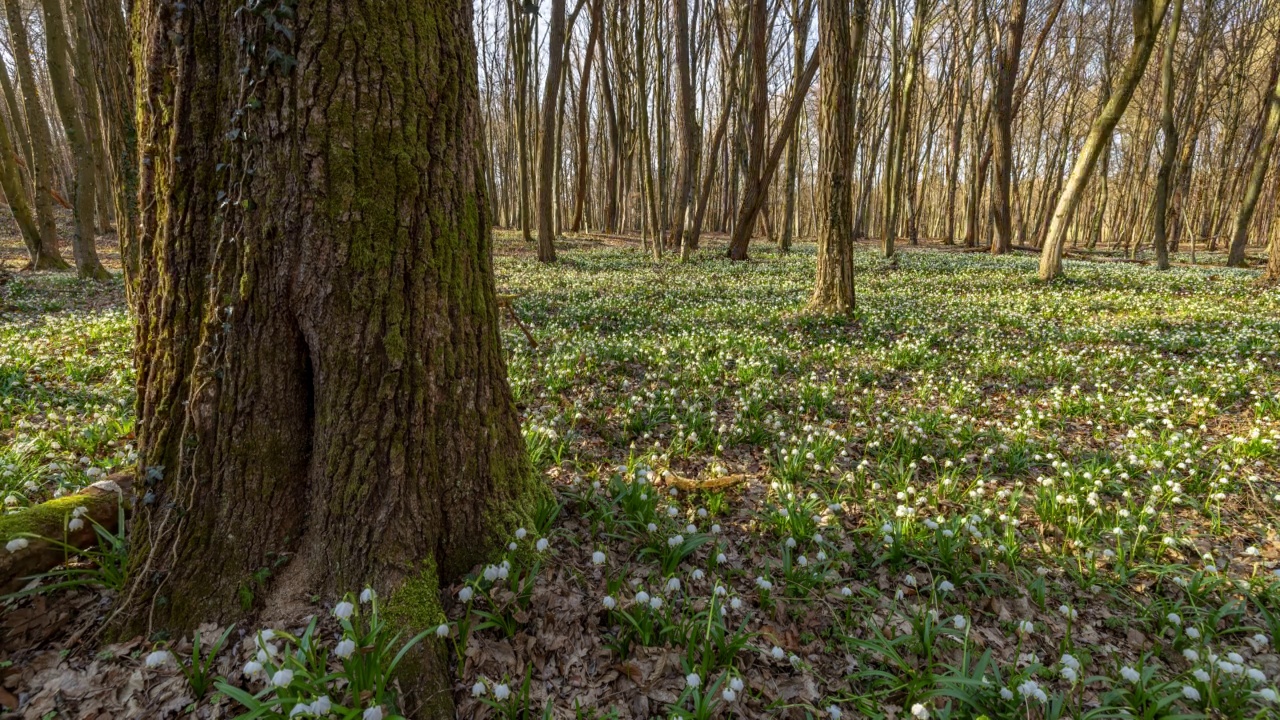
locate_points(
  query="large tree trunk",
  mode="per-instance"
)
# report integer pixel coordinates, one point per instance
(833, 289)
(41, 143)
(1261, 163)
(1002, 128)
(1148, 15)
(547, 159)
(84, 191)
(321, 383)
(1168, 140)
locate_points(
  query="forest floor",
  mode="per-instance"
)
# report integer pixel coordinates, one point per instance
(982, 495)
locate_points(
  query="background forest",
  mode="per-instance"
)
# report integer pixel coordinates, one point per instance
(502, 359)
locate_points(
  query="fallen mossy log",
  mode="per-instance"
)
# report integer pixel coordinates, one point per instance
(45, 526)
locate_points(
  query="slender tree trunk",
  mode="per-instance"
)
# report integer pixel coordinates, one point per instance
(584, 118)
(110, 40)
(322, 390)
(1261, 163)
(547, 157)
(1002, 128)
(690, 133)
(41, 142)
(757, 188)
(84, 192)
(1168, 140)
(86, 76)
(1148, 15)
(841, 47)
(800, 11)
(15, 193)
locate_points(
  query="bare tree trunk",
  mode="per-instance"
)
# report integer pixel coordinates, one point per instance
(841, 48)
(547, 158)
(84, 193)
(322, 389)
(1002, 129)
(41, 142)
(800, 11)
(584, 118)
(1148, 15)
(110, 40)
(1261, 163)
(15, 193)
(1168, 140)
(690, 134)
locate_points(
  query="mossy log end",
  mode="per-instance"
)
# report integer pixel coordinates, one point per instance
(46, 522)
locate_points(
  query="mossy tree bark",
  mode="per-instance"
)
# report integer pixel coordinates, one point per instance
(322, 393)
(41, 143)
(15, 193)
(84, 184)
(841, 45)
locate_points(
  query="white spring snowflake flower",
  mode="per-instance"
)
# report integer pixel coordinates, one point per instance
(909, 580)
(158, 658)
(1006, 693)
(721, 559)
(655, 602)
(253, 667)
(609, 603)
(697, 574)
(521, 533)
(642, 597)
(16, 545)
(1267, 694)
(736, 603)
(675, 540)
(846, 591)
(282, 678)
(543, 544)
(691, 528)
(343, 610)
(715, 528)
(368, 595)
(300, 709)
(652, 527)
(736, 684)
(791, 542)
(692, 680)
(1068, 612)
(442, 630)
(1256, 675)
(75, 524)
(345, 648)
(1069, 675)
(946, 586)
(597, 558)
(1191, 655)
(1130, 674)
(834, 712)
(920, 712)
(373, 713)
(673, 585)
(478, 690)
(1190, 693)
(465, 594)
(501, 692)
(1026, 627)
(1174, 619)
(321, 706)
(1193, 633)
(729, 695)
(1069, 660)
(777, 653)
